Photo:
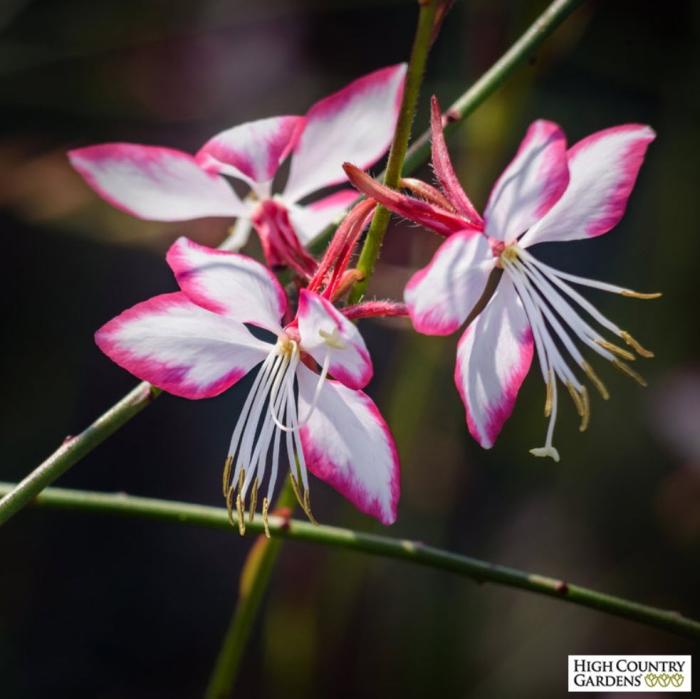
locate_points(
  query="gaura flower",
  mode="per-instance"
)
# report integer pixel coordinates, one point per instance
(195, 343)
(163, 184)
(547, 193)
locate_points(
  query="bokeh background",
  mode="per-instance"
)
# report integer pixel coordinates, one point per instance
(101, 607)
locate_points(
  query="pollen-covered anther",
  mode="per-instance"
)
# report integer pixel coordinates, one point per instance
(266, 524)
(240, 503)
(626, 369)
(227, 474)
(641, 351)
(585, 419)
(639, 295)
(253, 500)
(595, 380)
(549, 388)
(619, 351)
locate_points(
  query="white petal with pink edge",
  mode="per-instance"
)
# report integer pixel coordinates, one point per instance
(252, 151)
(228, 283)
(531, 184)
(493, 358)
(153, 183)
(310, 220)
(441, 295)
(180, 347)
(348, 445)
(332, 340)
(354, 124)
(603, 169)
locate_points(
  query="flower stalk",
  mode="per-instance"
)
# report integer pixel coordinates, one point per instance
(406, 550)
(414, 77)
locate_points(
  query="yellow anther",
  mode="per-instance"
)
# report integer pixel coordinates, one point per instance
(240, 507)
(578, 403)
(295, 488)
(229, 505)
(227, 473)
(253, 500)
(625, 369)
(600, 386)
(639, 295)
(585, 418)
(641, 351)
(265, 506)
(549, 395)
(618, 351)
(307, 507)
(332, 338)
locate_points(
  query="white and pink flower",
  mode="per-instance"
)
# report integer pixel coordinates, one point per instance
(195, 343)
(162, 184)
(547, 193)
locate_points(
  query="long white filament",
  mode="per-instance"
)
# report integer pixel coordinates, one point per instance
(296, 426)
(270, 410)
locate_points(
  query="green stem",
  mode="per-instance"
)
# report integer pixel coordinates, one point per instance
(414, 78)
(75, 448)
(494, 77)
(69, 454)
(401, 549)
(254, 580)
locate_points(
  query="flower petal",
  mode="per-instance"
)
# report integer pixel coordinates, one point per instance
(493, 358)
(227, 283)
(348, 445)
(440, 296)
(156, 184)
(439, 220)
(603, 169)
(355, 123)
(253, 150)
(323, 330)
(179, 347)
(310, 220)
(530, 185)
(444, 170)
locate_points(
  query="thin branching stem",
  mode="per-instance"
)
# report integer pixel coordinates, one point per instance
(386, 547)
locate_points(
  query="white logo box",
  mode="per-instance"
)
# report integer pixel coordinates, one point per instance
(611, 674)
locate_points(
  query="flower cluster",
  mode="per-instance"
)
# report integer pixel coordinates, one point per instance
(306, 407)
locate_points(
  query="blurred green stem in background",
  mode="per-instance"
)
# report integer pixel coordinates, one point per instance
(253, 582)
(386, 547)
(75, 448)
(414, 77)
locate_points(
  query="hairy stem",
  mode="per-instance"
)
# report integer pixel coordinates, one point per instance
(401, 549)
(253, 582)
(399, 146)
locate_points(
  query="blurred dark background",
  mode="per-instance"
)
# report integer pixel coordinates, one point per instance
(102, 607)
